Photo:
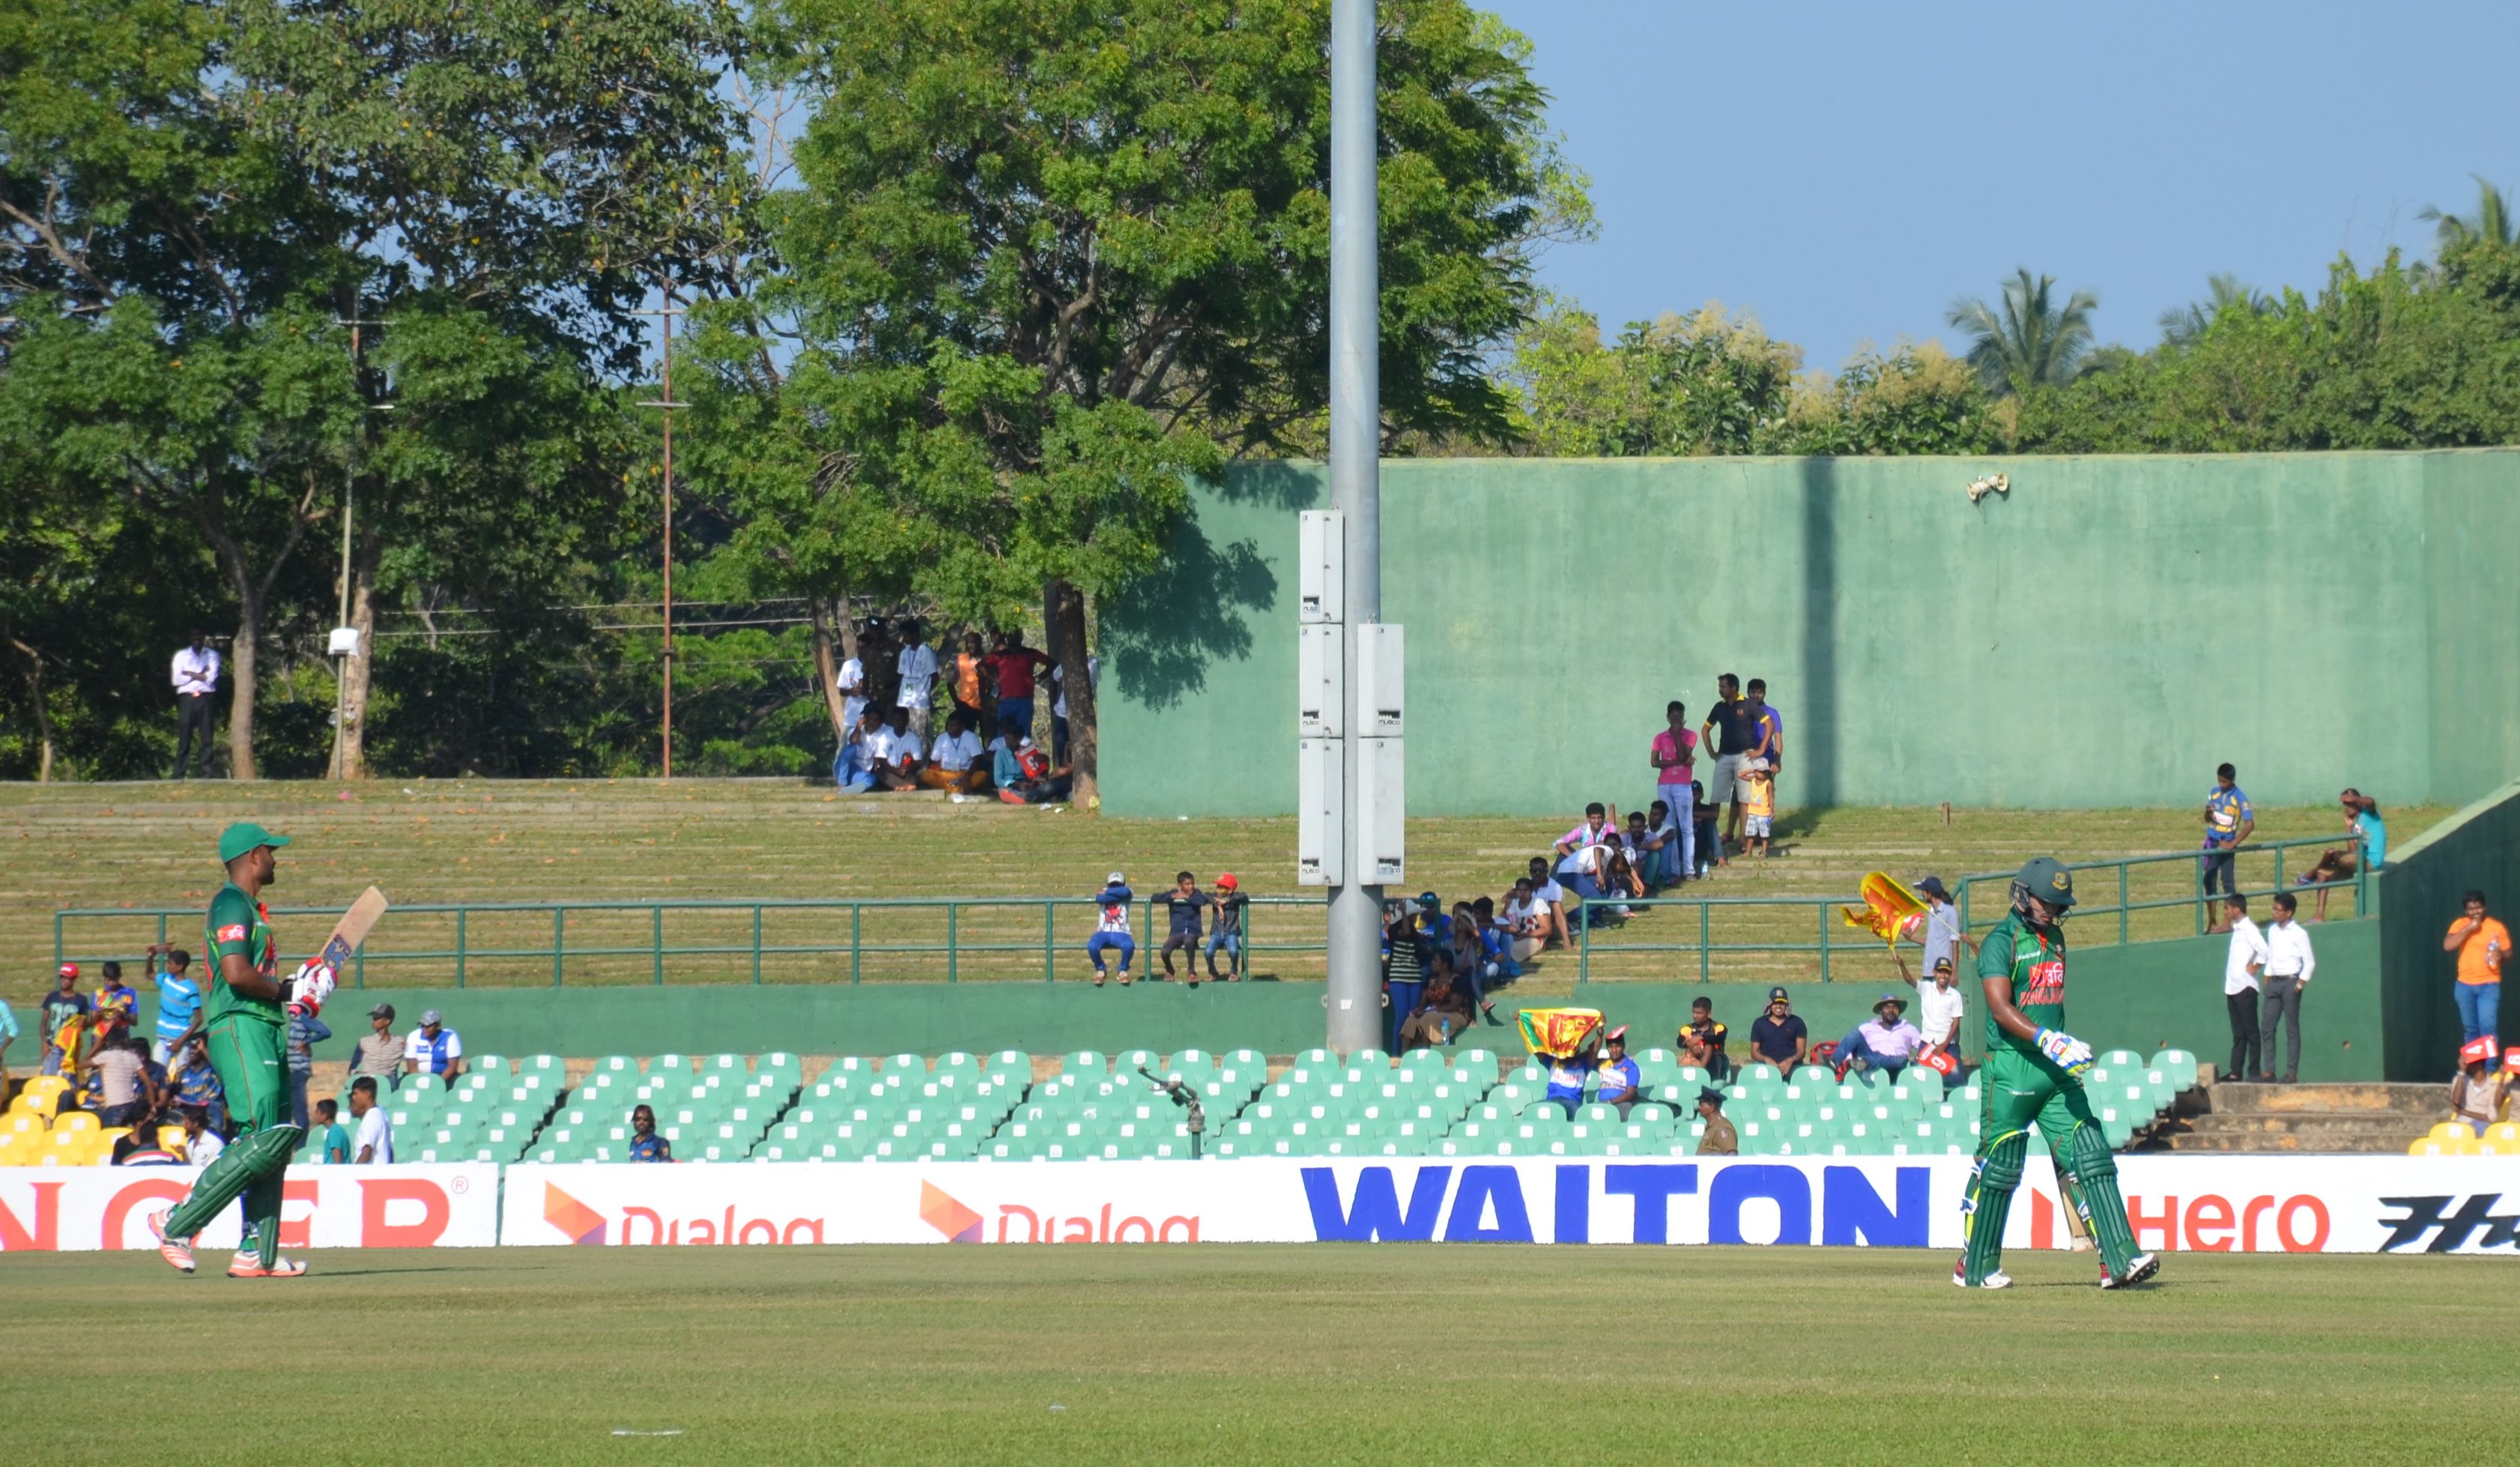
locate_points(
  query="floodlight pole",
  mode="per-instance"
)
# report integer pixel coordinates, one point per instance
(667, 404)
(1355, 989)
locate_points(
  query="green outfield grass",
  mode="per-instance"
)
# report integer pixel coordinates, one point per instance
(149, 845)
(1262, 1354)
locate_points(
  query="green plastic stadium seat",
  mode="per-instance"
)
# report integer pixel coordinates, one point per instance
(665, 1065)
(1084, 1062)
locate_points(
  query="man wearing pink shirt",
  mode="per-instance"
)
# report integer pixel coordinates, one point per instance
(1675, 763)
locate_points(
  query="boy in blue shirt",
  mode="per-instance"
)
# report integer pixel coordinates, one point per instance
(179, 1000)
(2228, 820)
(336, 1148)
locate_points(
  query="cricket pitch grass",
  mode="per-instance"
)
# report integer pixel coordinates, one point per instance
(1245, 1353)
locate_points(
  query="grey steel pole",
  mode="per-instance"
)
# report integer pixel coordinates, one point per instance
(1356, 1020)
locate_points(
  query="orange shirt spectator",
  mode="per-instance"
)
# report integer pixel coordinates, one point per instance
(2482, 944)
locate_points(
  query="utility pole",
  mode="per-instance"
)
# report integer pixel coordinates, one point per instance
(1366, 820)
(667, 403)
(344, 641)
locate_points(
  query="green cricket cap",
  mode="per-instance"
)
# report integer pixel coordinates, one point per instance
(245, 836)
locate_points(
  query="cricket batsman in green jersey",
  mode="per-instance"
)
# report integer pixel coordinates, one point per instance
(246, 1032)
(2034, 1075)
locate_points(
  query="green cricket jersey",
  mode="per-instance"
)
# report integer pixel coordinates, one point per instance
(237, 924)
(2033, 961)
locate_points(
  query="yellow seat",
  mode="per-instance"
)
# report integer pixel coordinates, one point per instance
(74, 1120)
(2506, 1132)
(2445, 1130)
(17, 1122)
(36, 1102)
(2493, 1148)
(2434, 1146)
(108, 1136)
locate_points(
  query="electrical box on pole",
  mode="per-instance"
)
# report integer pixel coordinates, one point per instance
(1378, 700)
(1321, 688)
(1320, 571)
(1321, 814)
(1381, 800)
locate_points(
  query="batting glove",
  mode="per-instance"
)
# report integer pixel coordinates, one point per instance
(311, 985)
(2065, 1052)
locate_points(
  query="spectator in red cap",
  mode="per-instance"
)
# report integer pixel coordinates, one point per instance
(66, 1011)
(1230, 906)
(2477, 1093)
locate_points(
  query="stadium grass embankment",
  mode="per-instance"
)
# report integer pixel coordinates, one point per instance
(599, 840)
(1324, 1353)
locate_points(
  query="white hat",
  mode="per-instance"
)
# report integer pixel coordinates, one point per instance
(1115, 879)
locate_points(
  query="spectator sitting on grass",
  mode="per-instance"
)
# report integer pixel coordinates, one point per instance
(1183, 905)
(333, 1148)
(179, 1001)
(903, 754)
(127, 1095)
(1524, 922)
(434, 1049)
(1886, 1041)
(2477, 1092)
(854, 770)
(1642, 842)
(1702, 1037)
(379, 1051)
(1498, 964)
(1598, 827)
(1232, 909)
(2370, 836)
(1111, 929)
(1779, 1038)
(374, 1146)
(645, 1144)
(1619, 1081)
(1021, 771)
(1552, 901)
(1665, 838)
(954, 764)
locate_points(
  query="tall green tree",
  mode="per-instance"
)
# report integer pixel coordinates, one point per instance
(2032, 341)
(2181, 325)
(1047, 261)
(2493, 223)
(1914, 399)
(1707, 382)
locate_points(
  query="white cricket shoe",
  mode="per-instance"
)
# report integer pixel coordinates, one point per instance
(1999, 1279)
(2141, 1267)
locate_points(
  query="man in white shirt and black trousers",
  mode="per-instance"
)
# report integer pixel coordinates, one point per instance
(2242, 963)
(917, 667)
(2289, 964)
(196, 675)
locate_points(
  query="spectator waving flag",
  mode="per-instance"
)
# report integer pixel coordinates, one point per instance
(1558, 1033)
(1890, 911)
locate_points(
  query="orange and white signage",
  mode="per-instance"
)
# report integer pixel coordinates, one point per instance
(82, 1209)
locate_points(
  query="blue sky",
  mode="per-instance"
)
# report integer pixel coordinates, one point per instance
(1847, 169)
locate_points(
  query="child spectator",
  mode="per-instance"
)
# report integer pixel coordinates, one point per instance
(334, 1149)
(117, 1006)
(1702, 1037)
(1758, 805)
(179, 1001)
(1232, 909)
(1183, 905)
(66, 1010)
(1111, 930)
(374, 1145)
(954, 764)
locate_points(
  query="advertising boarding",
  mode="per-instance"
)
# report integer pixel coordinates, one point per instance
(82, 1209)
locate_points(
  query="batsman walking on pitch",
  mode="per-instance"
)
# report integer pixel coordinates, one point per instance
(2034, 1076)
(246, 1032)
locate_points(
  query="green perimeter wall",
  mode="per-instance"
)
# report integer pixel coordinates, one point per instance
(2420, 890)
(2146, 996)
(2100, 637)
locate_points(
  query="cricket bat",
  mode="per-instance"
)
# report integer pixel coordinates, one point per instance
(352, 929)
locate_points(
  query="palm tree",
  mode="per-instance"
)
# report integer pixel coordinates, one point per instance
(2492, 222)
(2034, 342)
(2181, 326)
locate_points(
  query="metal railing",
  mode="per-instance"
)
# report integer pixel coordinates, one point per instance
(2180, 885)
(856, 941)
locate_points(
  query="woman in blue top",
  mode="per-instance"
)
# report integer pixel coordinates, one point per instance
(2370, 836)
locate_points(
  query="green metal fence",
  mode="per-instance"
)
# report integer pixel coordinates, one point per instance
(1041, 938)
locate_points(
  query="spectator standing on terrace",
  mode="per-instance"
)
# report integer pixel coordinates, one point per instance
(2482, 944)
(2289, 964)
(333, 1141)
(1757, 803)
(375, 1141)
(1406, 958)
(1719, 1139)
(917, 666)
(1675, 763)
(1768, 727)
(1014, 667)
(2370, 836)
(972, 682)
(196, 675)
(1886, 1041)
(305, 1032)
(1059, 704)
(129, 1096)
(179, 1000)
(379, 1052)
(1943, 939)
(2228, 820)
(117, 1006)
(645, 1144)
(66, 1010)
(852, 682)
(2242, 962)
(1779, 1038)
(1232, 911)
(434, 1049)
(954, 764)
(1731, 729)
(1703, 1038)
(1183, 907)
(1112, 927)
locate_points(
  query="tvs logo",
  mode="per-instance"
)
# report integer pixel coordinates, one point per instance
(2450, 1229)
